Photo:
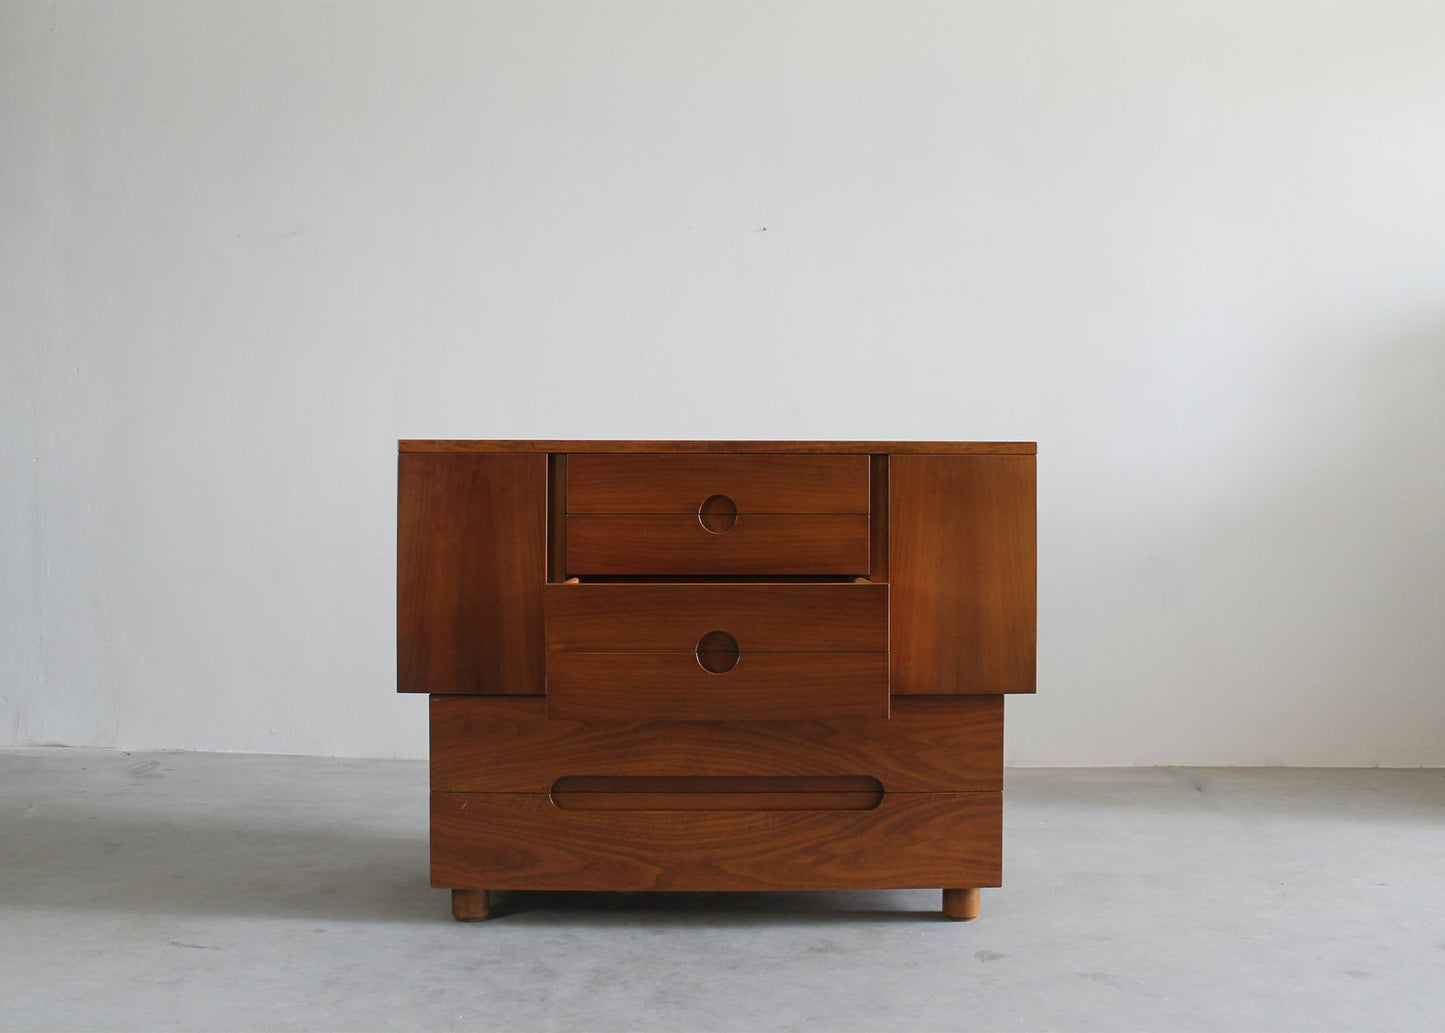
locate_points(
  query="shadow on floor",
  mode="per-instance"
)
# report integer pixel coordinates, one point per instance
(717, 910)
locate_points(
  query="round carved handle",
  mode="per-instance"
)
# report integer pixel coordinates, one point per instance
(718, 513)
(717, 652)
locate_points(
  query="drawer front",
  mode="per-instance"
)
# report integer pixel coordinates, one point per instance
(762, 618)
(716, 652)
(676, 687)
(522, 841)
(486, 744)
(717, 514)
(682, 483)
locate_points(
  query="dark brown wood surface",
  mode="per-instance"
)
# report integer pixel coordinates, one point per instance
(622, 483)
(701, 793)
(758, 544)
(962, 569)
(674, 687)
(716, 447)
(523, 841)
(928, 744)
(763, 618)
(471, 561)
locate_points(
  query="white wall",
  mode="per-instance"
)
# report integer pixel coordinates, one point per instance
(1196, 250)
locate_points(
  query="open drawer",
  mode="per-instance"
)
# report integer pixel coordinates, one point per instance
(716, 652)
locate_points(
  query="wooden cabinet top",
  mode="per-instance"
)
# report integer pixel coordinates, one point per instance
(863, 447)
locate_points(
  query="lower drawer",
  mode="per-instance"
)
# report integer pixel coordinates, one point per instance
(523, 841)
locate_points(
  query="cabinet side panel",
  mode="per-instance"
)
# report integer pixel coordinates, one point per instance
(962, 566)
(471, 562)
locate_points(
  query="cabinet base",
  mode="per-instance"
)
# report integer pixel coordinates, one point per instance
(961, 905)
(471, 905)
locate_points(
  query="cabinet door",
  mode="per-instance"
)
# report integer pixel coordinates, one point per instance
(471, 562)
(962, 566)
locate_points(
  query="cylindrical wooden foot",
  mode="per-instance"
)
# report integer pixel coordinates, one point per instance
(961, 905)
(471, 905)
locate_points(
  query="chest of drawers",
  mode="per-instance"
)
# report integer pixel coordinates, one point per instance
(715, 665)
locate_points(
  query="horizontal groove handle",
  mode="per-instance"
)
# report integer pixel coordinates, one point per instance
(714, 793)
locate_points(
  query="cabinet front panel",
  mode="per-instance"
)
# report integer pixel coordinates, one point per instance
(758, 544)
(762, 618)
(961, 564)
(927, 744)
(471, 560)
(683, 483)
(676, 687)
(523, 841)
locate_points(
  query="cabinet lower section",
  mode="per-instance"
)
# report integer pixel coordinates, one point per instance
(524, 801)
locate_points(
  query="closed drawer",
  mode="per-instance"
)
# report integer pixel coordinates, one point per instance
(716, 652)
(717, 514)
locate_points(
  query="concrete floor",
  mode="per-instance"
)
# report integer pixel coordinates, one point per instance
(158, 891)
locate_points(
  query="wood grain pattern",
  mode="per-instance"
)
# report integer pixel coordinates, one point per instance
(640, 483)
(963, 570)
(928, 744)
(721, 447)
(694, 793)
(523, 841)
(674, 687)
(759, 543)
(471, 560)
(763, 618)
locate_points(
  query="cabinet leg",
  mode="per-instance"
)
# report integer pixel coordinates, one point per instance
(961, 905)
(471, 905)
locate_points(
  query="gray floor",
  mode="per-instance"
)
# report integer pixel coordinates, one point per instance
(220, 892)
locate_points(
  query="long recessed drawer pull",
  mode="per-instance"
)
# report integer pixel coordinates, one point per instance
(714, 793)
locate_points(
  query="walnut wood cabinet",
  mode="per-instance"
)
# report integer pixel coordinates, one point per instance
(684, 665)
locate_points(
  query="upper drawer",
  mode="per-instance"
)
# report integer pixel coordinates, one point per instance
(717, 514)
(647, 483)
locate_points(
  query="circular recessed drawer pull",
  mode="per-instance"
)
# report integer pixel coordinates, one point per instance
(717, 652)
(718, 513)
